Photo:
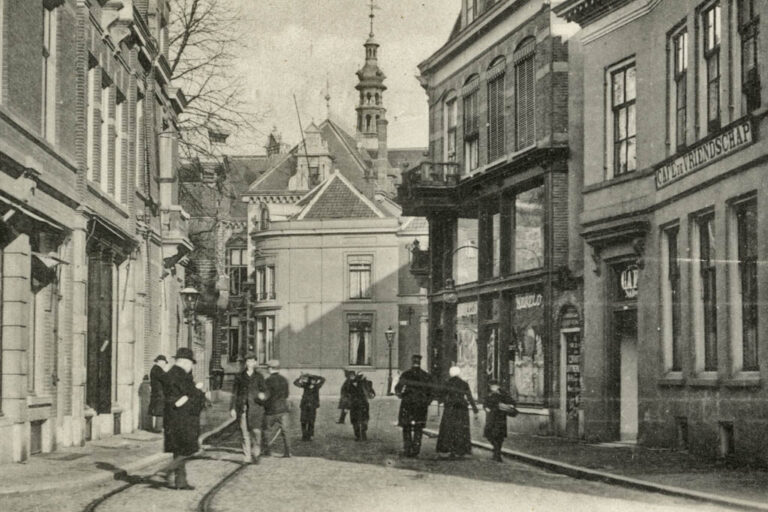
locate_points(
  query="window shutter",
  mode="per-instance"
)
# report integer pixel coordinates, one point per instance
(496, 118)
(525, 102)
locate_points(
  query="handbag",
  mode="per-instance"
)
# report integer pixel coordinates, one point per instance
(509, 409)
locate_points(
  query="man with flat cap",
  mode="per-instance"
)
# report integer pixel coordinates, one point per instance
(276, 408)
(415, 389)
(247, 406)
(184, 401)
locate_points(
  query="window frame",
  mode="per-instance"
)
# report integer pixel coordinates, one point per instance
(93, 171)
(361, 262)
(471, 125)
(510, 232)
(49, 82)
(238, 273)
(711, 57)
(671, 301)
(105, 113)
(233, 348)
(451, 116)
(679, 60)
(749, 35)
(704, 301)
(614, 138)
(496, 86)
(358, 318)
(525, 93)
(265, 337)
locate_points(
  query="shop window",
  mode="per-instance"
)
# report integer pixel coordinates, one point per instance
(623, 153)
(743, 285)
(670, 299)
(237, 264)
(678, 89)
(265, 338)
(526, 364)
(451, 116)
(496, 109)
(233, 338)
(525, 214)
(711, 39)
(705, 289)
(465, 251)
(749, 23)
(471, 125)
(360, 328)
(466, 328)
(525, 93)
(49, 74)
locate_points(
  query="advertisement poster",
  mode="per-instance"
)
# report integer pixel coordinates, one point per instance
(528, 349)
(466, 342)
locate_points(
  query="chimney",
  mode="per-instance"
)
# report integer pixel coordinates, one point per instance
(381, 129)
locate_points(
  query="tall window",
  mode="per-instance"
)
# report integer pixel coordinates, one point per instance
(359, 279)
(749, 23)
(360, 326)
(90, 122)
(106, 141)
(623, 94)
(712, 36)
(233, 335)
(265, 338)
(708, 288)
(526, 230)
(140, 156)
(671, 299)
(680, 79)
(471, 127)
(270, 284)
(451, 115)
(238, 270)
(49, 75)
(119, 136)
(471, 11)
(490, 224)
(744, 287)
(496, 110)
(525, 93)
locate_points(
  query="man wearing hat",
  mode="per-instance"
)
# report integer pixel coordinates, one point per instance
(415, 389)
(247, 406)
(156, 400)
(184, 401)
(276, 407)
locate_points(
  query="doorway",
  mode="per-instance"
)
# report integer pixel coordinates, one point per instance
(625, 341)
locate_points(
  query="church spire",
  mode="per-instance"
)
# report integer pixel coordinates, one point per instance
(370, 109)
(372, 5)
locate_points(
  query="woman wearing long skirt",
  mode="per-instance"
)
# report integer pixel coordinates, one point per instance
(454, 437)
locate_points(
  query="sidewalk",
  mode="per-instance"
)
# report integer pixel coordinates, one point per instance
(96, 462)
(666, 471)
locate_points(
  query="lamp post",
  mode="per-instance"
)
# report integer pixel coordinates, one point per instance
(390, 335)
(189, 295)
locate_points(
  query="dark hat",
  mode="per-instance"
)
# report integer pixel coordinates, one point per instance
(251, 355)
(161, 357)
(185, 353)
(416, 358)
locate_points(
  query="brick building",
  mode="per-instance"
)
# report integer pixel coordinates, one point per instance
(90, 234)
(504, 253)
(668, 104)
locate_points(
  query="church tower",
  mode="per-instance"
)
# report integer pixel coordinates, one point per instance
(371, 114)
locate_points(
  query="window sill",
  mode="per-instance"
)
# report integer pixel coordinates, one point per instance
(704, 380)
(672, 379)
(623, 178)
(744, 380)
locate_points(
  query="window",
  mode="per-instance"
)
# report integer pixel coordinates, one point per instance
(712, 33)
(465, 251)
(491, 240)
(265, 282)
(749, 23)
(671, 299)
(471, 126)
(526, 223)
(525, 94)
(265, 338)
(90, 129)
(496, 110)
(270, 285)
(107, 184)
(237, 263)
(118, 191)
(359, 279)
(679, 88)
(360, 326)
(471, 11)
(451, 115)
(233, 335)
(705, 288)
(49, 75)
(623, 113)
(743, 277)
(140, 158)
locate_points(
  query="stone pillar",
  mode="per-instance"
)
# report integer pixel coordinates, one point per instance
(15, 325)
(79, 329)
(124, 365)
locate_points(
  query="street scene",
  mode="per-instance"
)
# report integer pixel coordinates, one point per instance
(383, 255)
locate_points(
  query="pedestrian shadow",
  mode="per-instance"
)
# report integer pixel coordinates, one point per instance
(122, 475)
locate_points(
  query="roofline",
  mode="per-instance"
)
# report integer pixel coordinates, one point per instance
(354, 190)
(269, 171)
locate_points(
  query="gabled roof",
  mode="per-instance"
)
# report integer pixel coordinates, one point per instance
(277, 176)
(337, 198)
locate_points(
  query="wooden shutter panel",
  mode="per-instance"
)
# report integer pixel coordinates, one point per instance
(496, 118)
(525, 102)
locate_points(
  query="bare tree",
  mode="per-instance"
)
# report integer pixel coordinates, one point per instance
(204, 39)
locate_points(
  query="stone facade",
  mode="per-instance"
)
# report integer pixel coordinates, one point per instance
(91, 237)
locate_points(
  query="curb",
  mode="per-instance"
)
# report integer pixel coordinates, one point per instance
(623, 481)
(95, 479)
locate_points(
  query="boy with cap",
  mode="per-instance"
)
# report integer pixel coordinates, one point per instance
(247, 406)
(415, 391)
(498, 404)
(276, 407)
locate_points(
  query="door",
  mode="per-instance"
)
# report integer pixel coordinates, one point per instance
(625, 337)
(99, 352)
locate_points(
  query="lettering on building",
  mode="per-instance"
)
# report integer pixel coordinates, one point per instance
(527, 301)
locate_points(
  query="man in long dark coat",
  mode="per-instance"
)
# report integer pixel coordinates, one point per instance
(454, 436)
(247, 406)
(344, 396)
(156, 398)
(276, 408)
(495, 418)
(310, 402)
(359, 389)
(415, 390)
(184, 401)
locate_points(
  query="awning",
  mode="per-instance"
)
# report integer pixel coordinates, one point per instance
(29, 213)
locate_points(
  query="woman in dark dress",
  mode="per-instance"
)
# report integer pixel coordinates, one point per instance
(454, 437)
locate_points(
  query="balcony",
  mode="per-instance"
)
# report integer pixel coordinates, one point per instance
(429, 186)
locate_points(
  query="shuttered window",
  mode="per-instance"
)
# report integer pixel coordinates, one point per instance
(525, 94)
(496, 111)
(471, 125)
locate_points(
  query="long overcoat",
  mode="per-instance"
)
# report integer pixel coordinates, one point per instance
(454, 436)
(358, 389)
(495, 418)
(245, 398)
(310, 399)
(415, 389)
(156, 399)
(182, 423)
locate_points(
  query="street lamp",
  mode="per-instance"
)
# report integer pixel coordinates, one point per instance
(189, 295)
(390, 335)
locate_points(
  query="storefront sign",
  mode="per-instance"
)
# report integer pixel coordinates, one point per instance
(629, 277)
(527, 301)
(733, 138)
(573, 370)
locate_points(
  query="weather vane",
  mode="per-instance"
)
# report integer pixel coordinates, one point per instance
(372, 5)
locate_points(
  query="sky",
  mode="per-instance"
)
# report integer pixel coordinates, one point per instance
(296, 46)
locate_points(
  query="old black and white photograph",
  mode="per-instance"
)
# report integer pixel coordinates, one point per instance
(383, 255)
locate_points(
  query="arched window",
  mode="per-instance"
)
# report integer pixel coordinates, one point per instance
(525, 93)
(378, 99)
(368, 123)
(368, 98)
(495, 79)
(264, 218)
